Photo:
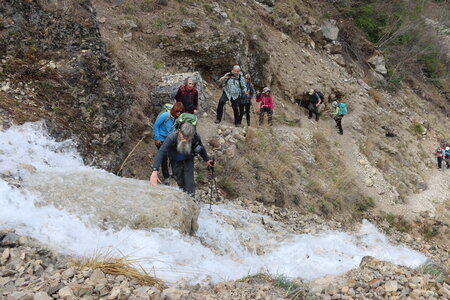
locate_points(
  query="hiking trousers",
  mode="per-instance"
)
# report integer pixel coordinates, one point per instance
(234, 104)
(244, 108)
(338, 120)
(164, 165)
(439, 162)
(312, 108)
(262, 111)
(183, 171)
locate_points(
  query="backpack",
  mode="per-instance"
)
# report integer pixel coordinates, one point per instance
(440, 152)
(166, 107)
(186, 117)
(321, 95)
(342, 109)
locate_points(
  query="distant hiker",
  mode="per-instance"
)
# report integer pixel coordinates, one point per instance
(188, 95)
(314, 102)
(164, 125)
(440, 155)
(447, 157)
(246, 100)
(267, 105)
(234, 88)
(181, 146)
(339, 113)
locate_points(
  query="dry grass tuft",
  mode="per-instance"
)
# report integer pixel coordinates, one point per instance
(125, 266)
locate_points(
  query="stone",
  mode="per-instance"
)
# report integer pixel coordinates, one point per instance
(42, 296)
(188, 25)
(173, 293)
(378, 63)
(128, 36)
(123, 202)
(19, 296)
(97, 276)
(102, 20)
(10, 240)
(65, 293)
(330, 30)
(391, 286)
(6, 253)
(69, 273)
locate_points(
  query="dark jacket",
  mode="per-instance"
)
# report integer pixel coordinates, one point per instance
(314, 98)
(188, 98)
(169, 148)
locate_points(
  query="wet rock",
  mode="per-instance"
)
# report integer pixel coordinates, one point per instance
(10, 239)
(125, 202)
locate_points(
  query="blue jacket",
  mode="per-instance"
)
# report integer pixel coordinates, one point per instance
(162, 128)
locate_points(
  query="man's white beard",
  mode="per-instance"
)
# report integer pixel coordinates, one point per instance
(184, 147)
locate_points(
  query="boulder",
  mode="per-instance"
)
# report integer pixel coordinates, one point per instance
(329, 30)
(270, 3)
(116, 202)
(167, 89)
(378, 63)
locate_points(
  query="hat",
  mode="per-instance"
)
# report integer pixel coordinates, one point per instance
(266, 89)
(447, 148)
(311, 91)
(334, 103)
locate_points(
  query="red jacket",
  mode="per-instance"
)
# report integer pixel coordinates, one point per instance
(266, 100)
(188, 98)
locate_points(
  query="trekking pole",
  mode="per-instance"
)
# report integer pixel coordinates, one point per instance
(212, 185)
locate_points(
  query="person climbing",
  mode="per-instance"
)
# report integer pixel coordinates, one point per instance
(339, 113)
(246, 100)
(447, 156)
(314, 102)
(234, 88)
(440, 155)
(188, 95)
(267, 105)
(164, 125)
(180, 147)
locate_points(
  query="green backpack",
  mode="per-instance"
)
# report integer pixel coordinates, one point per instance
(186, 117)
(166, 107)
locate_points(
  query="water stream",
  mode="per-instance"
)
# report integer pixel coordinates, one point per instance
(230, 243)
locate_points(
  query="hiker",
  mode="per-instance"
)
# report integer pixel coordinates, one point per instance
(246, 100)
(440, 155)
(164, 125)
(188, 95)
(339, 113)
(180, 147)
(447, 157)
(234, 88)
(267, 105)
(314, 102)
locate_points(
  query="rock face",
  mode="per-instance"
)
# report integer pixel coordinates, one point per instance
(121, 202)
(167, 89)
(55, 48)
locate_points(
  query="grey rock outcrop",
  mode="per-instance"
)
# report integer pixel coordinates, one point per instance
(121, 202)
(167, 89)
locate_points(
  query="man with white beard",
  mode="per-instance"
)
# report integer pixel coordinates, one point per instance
(181, 146)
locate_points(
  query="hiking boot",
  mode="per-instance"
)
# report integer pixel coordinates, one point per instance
(217, 121)
(166, 181)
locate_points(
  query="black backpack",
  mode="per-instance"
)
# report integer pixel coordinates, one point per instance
(321, 95)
